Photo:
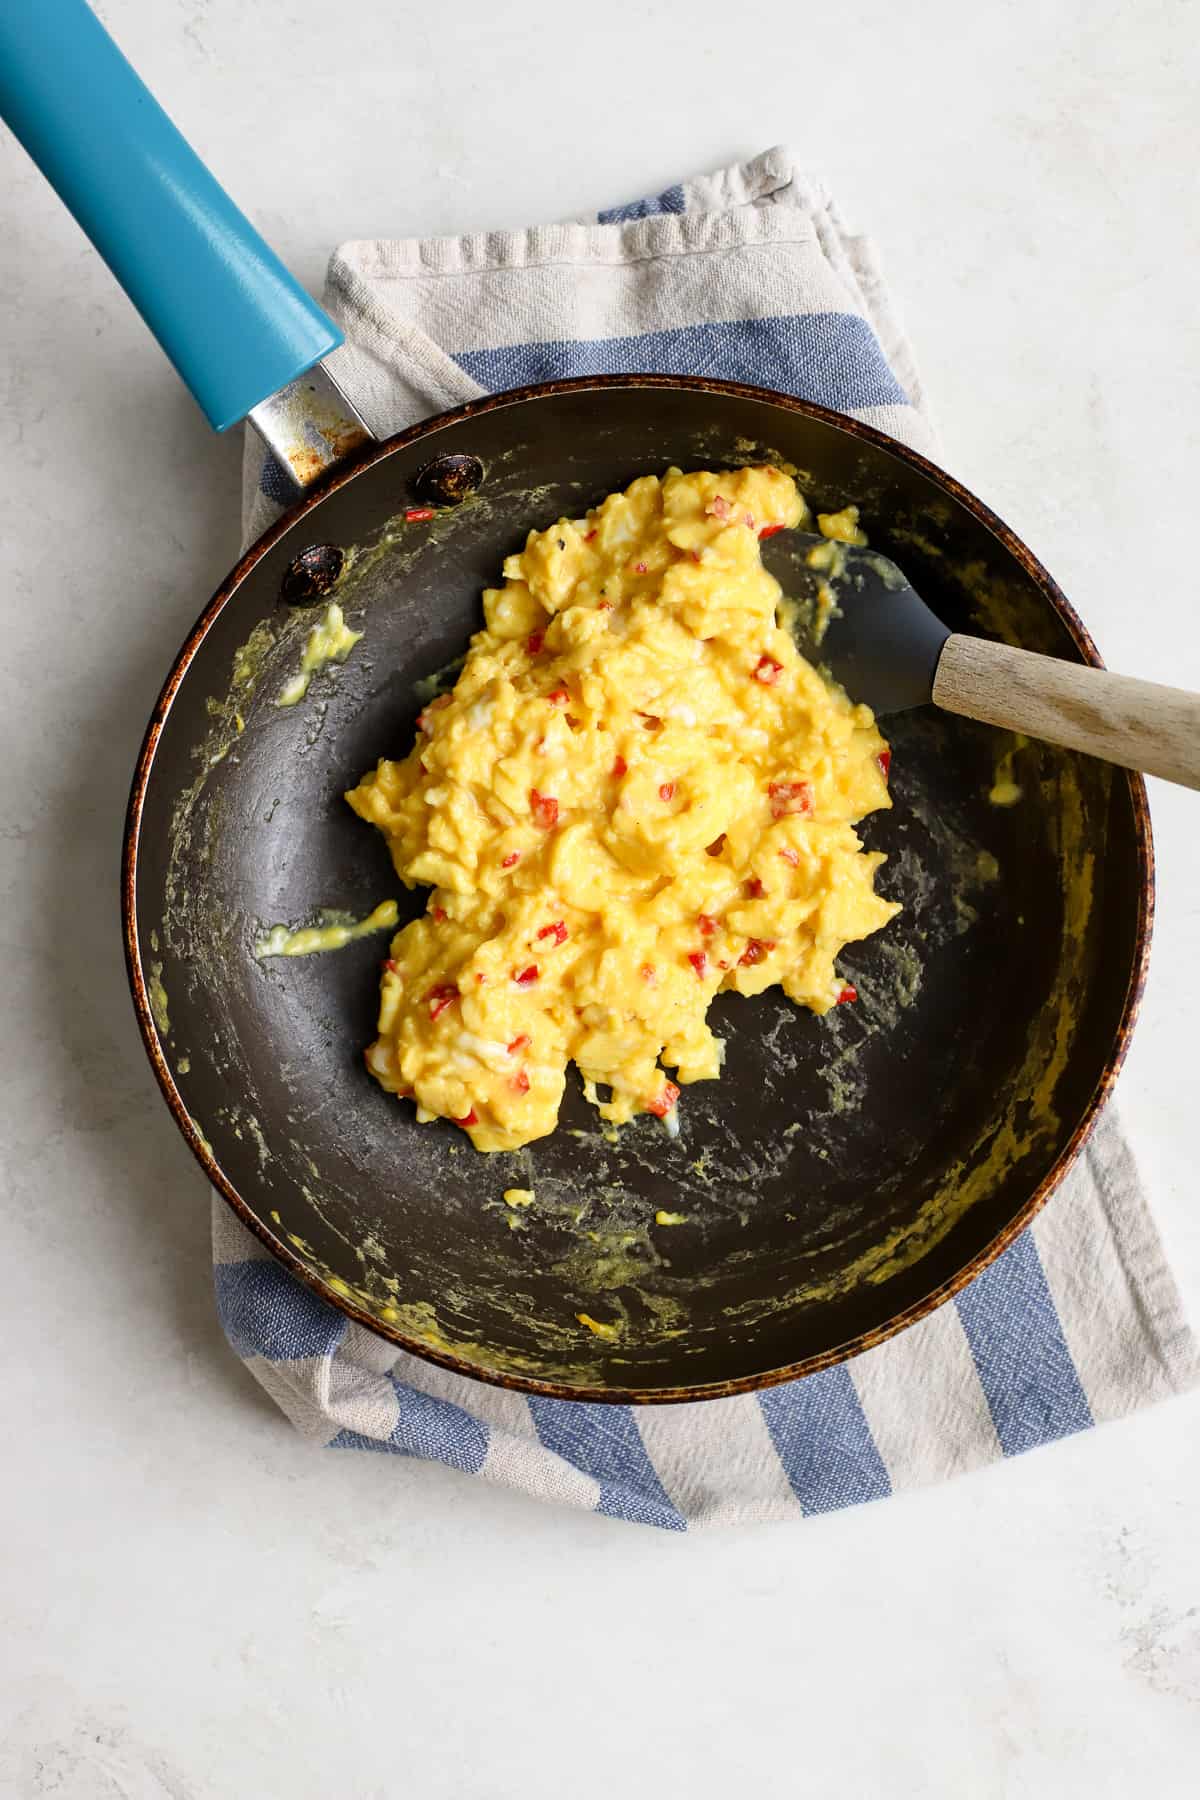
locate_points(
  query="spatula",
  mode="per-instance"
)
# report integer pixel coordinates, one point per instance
(887, 648)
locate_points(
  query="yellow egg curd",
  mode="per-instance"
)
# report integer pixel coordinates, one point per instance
(638, 795)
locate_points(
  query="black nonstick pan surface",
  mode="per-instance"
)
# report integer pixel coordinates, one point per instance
(847, 1173)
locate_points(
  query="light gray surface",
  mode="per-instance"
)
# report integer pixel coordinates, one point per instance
(194, 1604)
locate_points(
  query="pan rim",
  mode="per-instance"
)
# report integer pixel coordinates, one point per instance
(281, 1251)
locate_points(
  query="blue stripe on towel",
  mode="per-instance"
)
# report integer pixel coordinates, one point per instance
(832, 359)
(821, 1435)
(671, 200)
(1024, 1366)
(264, 1311)
(605, 1443)
(438, 1429)
(275, 483)
(358, 1440)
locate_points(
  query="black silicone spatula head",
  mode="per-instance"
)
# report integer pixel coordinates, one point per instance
(858, 616)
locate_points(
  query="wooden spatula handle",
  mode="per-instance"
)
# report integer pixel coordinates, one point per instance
(1135, 723)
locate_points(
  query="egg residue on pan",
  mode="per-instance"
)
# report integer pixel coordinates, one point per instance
(637, 795)
(330, 641)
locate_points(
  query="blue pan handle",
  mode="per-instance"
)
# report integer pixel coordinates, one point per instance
(230, 317)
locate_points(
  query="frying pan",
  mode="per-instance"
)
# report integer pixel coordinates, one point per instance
(847, 1174)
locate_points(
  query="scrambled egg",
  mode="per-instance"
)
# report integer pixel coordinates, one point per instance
(637, 795)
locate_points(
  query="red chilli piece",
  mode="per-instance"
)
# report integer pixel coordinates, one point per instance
(620, 767)
(526, 977)
(790, 797)
(511, 860)
(663, 1103)
(748, 521)
(534, 642)
(767, 670)
(847, 994)
(468, 1118)
(439, 998)
(699, 962)
(417, 515)
(520, 1082)
(770, 530)
(589, 535)
(754, 952)
(716, 847)
(884, 759)
(522, 1042)
(648, 973)
(544, 808)
(558, 932)
(434, 706)
(791, 856)
(558, 696)
(640, 568)
(604, 606)
(707, 925)
(718, 507)
(755, 888)
(389, 965)
(667, 791)
(439, 913)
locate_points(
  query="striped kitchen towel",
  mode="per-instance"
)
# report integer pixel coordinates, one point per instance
(748, 274)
